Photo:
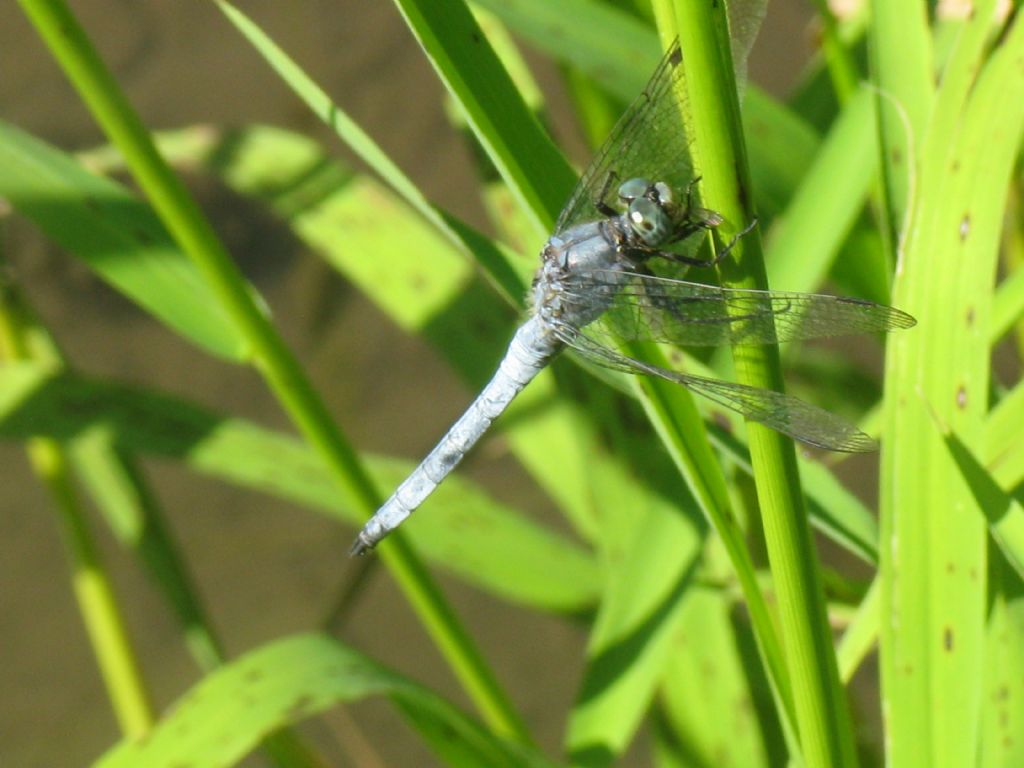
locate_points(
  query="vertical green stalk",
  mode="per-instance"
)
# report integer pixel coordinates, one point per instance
(179, 213)
(93, 592)
(719, 153)
(100, 611)
(96, 601)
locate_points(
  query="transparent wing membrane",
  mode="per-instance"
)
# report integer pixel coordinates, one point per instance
(648, 142)
(692, 314)
(783, 413)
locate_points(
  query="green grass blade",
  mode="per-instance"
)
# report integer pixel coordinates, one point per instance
(782, 147)
(1004, 450)
(468, 533)
(842, 69)
(116, 235)
(225, 715)
(902, 67)
(676, 419)
(861, 633)
(712, 692)
(1008, 306)
(121, 495)
(1004, 513)
(594, 37)
(133, 514)
(181, 216)
(1003, 716)
(100, 610)
(512, 223)
(838, 513)
(509, 277)
(524, 155)
(934, 566)
(632, 636)
(806, 238)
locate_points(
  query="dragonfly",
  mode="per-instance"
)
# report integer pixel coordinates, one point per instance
(612, 272)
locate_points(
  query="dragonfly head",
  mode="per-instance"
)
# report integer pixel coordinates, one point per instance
(648, 207)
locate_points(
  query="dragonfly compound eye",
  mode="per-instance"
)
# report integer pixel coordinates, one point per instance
(633, 189)
(649, 221)
(663, 193)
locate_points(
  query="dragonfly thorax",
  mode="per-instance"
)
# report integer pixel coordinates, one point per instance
(615, 244)
(571, 259)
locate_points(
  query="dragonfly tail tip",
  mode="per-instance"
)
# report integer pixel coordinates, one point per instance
(360, 546)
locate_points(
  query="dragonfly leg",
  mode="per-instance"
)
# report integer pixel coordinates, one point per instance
(735, 239)
(689, 194)
(690, 227)
(694, 218)
(603, 208)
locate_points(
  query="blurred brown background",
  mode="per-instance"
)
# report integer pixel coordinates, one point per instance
(266, 569)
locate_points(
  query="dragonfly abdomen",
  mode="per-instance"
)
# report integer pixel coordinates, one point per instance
(532, 347)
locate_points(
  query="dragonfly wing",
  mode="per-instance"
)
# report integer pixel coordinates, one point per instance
(783, 413)
(692, 314)
(649, 141)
